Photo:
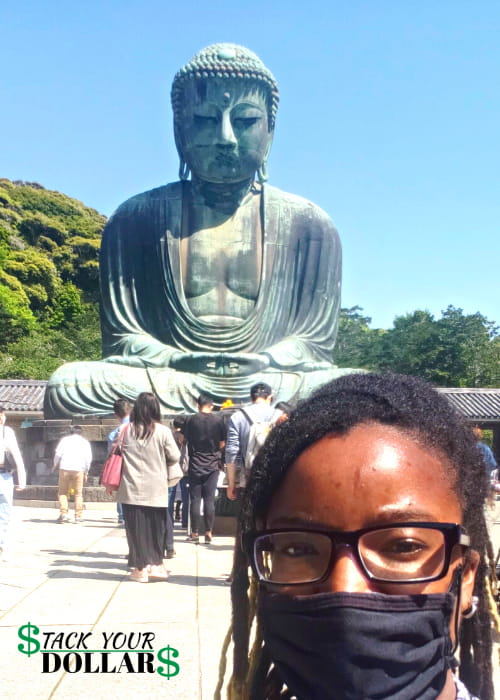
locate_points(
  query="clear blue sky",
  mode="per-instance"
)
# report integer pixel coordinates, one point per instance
(389, 120)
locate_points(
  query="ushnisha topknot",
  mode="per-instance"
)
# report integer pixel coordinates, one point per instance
(226, 61)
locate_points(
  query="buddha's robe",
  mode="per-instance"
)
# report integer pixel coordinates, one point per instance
(146, 319)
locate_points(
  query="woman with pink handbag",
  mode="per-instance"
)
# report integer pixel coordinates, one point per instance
(150, 466)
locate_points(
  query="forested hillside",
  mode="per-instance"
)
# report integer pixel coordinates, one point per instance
(49, 280)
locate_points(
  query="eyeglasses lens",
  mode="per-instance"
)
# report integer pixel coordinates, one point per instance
(388, 554)
(292, 557)
(401, 554)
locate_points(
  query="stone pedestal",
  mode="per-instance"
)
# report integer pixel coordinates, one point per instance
(39, 442)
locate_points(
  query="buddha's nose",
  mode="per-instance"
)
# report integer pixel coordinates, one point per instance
(226, 132)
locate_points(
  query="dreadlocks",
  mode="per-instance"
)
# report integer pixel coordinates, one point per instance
(412, 406)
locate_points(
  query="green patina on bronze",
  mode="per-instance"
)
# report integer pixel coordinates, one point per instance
(219, 280)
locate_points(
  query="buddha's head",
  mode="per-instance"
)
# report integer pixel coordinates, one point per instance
(224, 102)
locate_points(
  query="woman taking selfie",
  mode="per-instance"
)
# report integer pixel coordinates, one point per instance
(363, 527)
(148, 450)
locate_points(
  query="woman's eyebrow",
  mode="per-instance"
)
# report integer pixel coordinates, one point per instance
(387, 516)
(301, 521)
(391, 514)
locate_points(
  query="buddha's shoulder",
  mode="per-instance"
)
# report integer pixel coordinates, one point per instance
(150, 199)
(298, 207)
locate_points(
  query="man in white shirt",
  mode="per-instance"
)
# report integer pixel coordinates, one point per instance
(10, 461)
(73, 457)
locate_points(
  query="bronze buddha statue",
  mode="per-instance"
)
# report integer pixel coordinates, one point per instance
(217, 281)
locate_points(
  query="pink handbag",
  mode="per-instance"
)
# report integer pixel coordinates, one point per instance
(112, 470)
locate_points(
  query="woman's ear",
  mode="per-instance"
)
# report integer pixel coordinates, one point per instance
(471, 563)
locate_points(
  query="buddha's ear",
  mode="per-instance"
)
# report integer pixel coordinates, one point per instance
(178, 139)
(270, 137)
(471, 563)
(262, 171)
(183, 166)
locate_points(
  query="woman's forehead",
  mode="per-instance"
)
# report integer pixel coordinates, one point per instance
(368, 475)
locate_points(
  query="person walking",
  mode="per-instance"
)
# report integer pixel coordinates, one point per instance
(122, 409)
(148, 450)
(490, 463)
(205, 435)
(238, 435)
(73, 456)
(10, 461)
(179, 510)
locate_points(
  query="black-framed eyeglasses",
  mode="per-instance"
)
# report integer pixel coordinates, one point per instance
(409, 552)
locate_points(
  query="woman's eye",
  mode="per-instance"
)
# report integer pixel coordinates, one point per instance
(404, 547)
(297, 549)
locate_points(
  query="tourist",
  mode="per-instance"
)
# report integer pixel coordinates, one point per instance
(490, 463)
(179, 508)
(148, 450)
(10, 461)
(73, 457)
(238, 433)
(205, 436)
(286, 408)
(363, 524)
(121, 409)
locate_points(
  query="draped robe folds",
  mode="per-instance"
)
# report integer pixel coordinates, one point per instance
(146, 319)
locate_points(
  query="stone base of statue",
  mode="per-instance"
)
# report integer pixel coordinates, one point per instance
(39, 445)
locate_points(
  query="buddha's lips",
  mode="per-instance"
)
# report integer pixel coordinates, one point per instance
(227, 159)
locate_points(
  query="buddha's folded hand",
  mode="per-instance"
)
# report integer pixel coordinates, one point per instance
(219, 364)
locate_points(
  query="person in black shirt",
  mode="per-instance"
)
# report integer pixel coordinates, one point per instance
(205, 435)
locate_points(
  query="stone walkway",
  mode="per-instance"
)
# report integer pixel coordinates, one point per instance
(73, 579)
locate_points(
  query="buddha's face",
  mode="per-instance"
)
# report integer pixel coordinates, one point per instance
(223, 132)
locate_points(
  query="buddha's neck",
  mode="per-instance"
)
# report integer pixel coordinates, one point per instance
(224, 197)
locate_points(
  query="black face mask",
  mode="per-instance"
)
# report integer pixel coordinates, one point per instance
(359, 646)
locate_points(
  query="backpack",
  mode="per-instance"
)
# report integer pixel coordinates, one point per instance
(259, 430)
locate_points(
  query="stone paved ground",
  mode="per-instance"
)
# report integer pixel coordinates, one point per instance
(65, 578)
(73, 578)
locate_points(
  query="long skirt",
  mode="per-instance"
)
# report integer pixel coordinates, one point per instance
(146, 528)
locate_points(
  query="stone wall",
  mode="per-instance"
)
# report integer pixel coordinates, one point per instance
(38, 443)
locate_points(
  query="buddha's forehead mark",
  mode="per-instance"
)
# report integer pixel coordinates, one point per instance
(226, 97)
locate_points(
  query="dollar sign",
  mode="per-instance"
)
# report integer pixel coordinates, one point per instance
(28, 638)
(167, 660)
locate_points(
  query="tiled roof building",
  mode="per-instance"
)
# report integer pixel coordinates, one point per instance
(480, 405)
(24, 395)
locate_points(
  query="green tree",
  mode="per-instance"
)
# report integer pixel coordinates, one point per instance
(38, 275)
(471, 356)
(66, 308)
(16, 317)
(37, 354)
(455, 350)
(357, 343)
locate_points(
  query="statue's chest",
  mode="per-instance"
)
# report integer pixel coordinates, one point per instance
(221, 267)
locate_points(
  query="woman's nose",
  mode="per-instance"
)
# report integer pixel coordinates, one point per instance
(226, 132)
(346, 575)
